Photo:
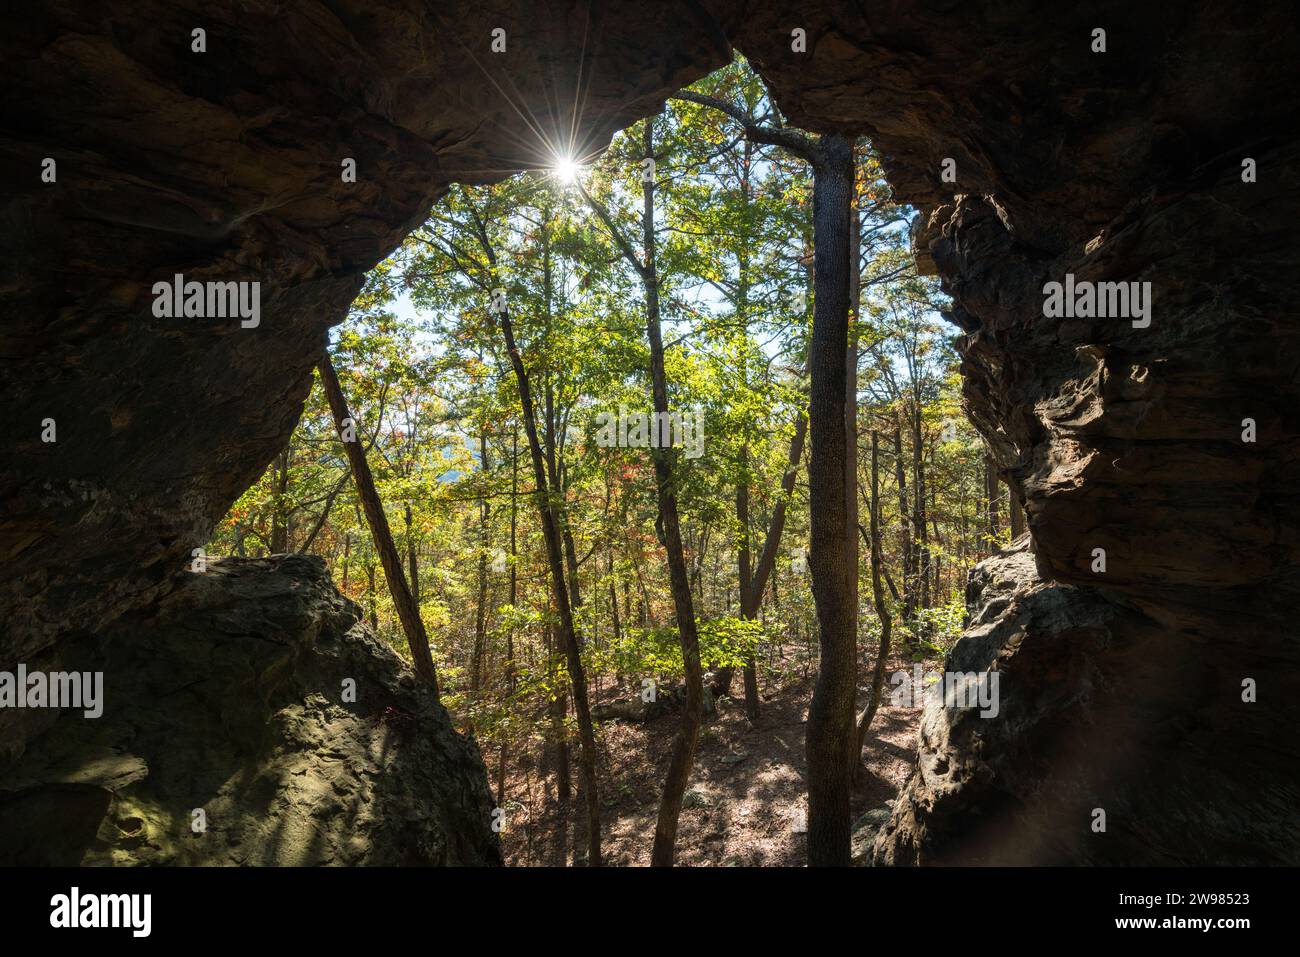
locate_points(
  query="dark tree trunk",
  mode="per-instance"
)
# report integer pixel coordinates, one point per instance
(407, 611)
(919, 529)
(514, 597)
(279, 517)
(372, 596)
(412, 559)
(991, 498)
(559, 708)
(347, 558)
(613, 601)
(746, 583)
(546, 510)
(905, 529)
(683, 755)
(882, 612)
(751, 596)
(833, 559)
(1017, 513)
(480, 617)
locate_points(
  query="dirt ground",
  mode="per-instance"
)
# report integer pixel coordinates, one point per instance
(746, 803)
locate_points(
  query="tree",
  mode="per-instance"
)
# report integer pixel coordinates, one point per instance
(833, 542)
(669, 522)
(379, 530)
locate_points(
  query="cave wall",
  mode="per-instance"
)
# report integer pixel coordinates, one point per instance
(1118, 165)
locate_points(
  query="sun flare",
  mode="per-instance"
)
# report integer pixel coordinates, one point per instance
(566, 170)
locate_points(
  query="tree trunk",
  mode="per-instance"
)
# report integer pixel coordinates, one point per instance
(279, 516)
(412, 561)
(751, 598)
(991, 498)
(683, 755)
(407, 611)
(882, 612)
(829, 736)
(746, 583)
(514, 597)
(560, 595)
(559, 708)
(919, 530)
(372, 597)
(480, 616)
(905, 529)
(613, 601)
(347, 557)
(1017, 513)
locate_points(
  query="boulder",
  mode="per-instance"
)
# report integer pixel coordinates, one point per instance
(227, 738)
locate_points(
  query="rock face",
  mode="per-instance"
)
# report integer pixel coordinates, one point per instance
(1090, 695)
(228, 698)
(1123, 165)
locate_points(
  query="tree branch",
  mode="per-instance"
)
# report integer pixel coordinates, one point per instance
(802, 146)
(624, 246)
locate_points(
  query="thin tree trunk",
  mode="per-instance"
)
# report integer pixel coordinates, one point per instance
(613, 602)
(991, 498)
(279, 518)
(919, 529)
(1017, 513)
(668, 525)
(347, 556)
(407, 611)
(372, 596)
(412, 559)
(560, 594)
(559, 708)
(905, 529)
(882, 611)
(751, 598)
(746, 585)
(480, 617)
(322, 518)
(683, 754)
(514, 597)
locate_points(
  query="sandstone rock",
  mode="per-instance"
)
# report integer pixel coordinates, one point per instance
(865, 830)
(1100, 707)
(229, 698)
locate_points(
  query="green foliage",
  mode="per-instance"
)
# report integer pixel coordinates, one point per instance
(424, 367)
(655, 652)
(939, 626)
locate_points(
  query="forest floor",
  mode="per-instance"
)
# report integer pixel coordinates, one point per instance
(746, 803)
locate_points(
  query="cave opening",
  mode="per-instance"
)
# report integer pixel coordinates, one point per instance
(1145, 661)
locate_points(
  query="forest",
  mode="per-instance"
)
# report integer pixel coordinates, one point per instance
(560, 455)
